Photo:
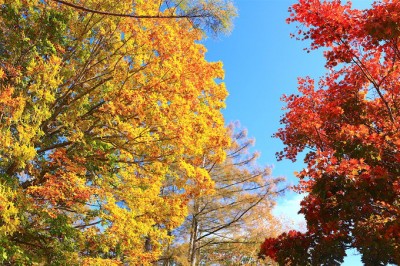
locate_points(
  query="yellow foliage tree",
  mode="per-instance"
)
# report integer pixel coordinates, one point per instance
(97, 112)
(225, 226)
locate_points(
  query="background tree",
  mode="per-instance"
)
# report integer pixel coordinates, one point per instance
(349, 126)
(96, 112)
(223, 227)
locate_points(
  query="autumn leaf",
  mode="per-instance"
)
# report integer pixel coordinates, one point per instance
(348, 127)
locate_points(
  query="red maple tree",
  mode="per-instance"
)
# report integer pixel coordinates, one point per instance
(348, 124)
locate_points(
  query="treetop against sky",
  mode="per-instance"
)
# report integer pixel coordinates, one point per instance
(111, 122)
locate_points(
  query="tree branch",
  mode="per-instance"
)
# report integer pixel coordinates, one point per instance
(86, 9)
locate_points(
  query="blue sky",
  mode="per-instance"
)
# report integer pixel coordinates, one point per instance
(261, 63)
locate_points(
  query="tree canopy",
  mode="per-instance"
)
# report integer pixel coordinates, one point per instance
(102, 118)
(348, 125)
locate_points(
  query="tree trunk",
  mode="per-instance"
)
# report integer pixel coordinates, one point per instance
(193, 239)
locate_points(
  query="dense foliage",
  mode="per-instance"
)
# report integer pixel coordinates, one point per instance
(101, 118)
(348, 125)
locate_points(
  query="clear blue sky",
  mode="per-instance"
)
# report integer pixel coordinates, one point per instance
(261, 63)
